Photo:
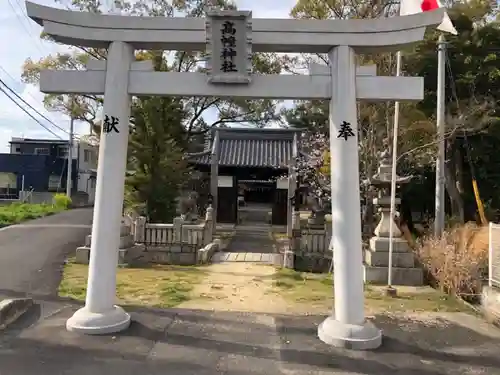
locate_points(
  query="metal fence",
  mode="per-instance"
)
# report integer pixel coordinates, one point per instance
(494, 255)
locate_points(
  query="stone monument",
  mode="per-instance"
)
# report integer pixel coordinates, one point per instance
(404, 271)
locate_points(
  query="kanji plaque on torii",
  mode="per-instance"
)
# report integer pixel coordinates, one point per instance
(229, 46)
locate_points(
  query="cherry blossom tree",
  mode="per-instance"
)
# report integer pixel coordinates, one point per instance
(313, 171)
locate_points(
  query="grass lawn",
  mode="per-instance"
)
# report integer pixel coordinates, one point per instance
(157, 286)
(316, 290)
(18, 212)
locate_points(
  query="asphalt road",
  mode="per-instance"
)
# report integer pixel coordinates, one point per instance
(32, 253)
(190, 342)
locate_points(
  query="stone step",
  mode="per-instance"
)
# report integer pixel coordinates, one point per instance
(259, 231)
(381, 259)
(400, 276)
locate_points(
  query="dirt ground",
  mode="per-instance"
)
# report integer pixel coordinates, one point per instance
(237, 286)
(261, 288)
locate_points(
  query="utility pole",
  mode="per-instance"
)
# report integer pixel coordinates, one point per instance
(69, 180)
(440, 124)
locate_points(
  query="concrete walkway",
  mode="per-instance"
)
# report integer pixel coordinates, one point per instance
(251, 243)
(32, 254)
(251, 239)
(192, 342)
(225, 256)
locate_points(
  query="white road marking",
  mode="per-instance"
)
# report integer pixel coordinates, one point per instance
(46, 226)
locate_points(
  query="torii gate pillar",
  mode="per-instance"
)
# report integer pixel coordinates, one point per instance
(346, 327)
(100, 314)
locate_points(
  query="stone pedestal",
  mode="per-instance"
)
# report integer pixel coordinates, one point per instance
(128, 250)
(376, 259)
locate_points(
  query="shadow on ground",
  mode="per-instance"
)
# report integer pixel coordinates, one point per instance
(179, 341)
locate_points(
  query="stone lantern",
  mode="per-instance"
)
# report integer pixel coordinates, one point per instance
(377, 256)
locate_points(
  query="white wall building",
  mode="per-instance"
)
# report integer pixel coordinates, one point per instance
(86, 155)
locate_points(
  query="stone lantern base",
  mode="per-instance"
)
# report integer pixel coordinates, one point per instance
(404, 271)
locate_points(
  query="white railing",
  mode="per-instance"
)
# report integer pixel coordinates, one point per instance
(494, 255)
(179, 232)
(315, 241)
(158, 234)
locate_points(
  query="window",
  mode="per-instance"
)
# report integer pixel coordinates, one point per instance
(8, 185)
(18, 149)
(8, 180)
(86, 156)
(41, 151)
(63, 152)
(54, 182)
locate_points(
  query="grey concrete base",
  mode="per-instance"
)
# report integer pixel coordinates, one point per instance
(13, 309)
(312, 263)
(169, 257)
(125, 256)
(131, 254)
(490, 302)
(84, 321)
(400, 276)
(82, 255)
(381, 259)
(349, 336)
(400, 245)
(126, 240)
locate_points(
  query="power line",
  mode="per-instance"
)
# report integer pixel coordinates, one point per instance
(24, 26)
(29, 114)
(17, 82)
(22, 8)
(31, 107)
(34, 109)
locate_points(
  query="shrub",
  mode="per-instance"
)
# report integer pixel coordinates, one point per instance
(457, 262)
(61, 201)
(18, 212)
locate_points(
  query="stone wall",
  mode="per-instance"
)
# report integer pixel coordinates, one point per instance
(178, 243)
(309, 247)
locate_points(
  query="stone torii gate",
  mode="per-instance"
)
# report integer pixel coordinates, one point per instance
(230, 37)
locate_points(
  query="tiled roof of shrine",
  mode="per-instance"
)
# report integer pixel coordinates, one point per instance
(250, 148)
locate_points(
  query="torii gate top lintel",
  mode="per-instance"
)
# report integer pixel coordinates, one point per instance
(268, 35)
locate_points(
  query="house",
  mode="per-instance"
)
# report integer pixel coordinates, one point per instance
(41, 165)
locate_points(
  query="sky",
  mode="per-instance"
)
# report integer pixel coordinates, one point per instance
(14, 23)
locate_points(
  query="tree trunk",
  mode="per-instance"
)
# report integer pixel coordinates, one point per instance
(453, 183)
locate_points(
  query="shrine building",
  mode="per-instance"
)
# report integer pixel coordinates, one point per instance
(249, 170)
